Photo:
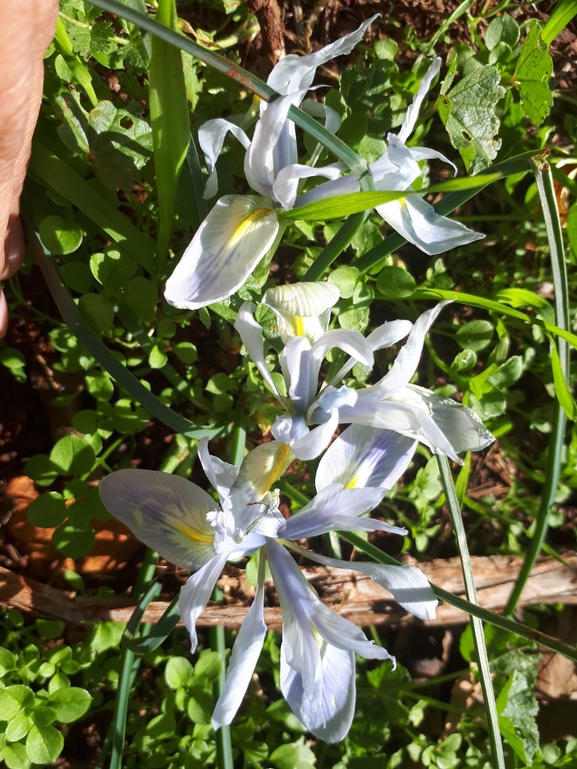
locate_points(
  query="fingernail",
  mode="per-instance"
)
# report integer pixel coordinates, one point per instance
(13, 249)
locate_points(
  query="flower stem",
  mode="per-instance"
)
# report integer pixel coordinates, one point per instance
(476, 624)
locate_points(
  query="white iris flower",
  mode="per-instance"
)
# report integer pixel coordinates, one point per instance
(186, 526)
(303, 309)
(241, 229)
(396, 170)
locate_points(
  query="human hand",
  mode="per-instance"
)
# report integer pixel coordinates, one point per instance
(26, 29)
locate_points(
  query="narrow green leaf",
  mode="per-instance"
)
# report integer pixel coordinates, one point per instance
(106, 359)
(81, 73)
(342, 206)
(532, 75)
(564, 11)
(562, 390)
(169, 119)
(57, 175)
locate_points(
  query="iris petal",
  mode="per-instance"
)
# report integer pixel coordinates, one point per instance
(166, 512)
(231, 241)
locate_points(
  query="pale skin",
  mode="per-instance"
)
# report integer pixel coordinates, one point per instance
(26, 30)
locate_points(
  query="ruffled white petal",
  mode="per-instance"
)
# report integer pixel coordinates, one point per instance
(413, 110)
(420, 225)
(407, 360)
(317, 682)
(303, 309)
(166, 512)
(424, 153)
(229, 244)
(252, 337)
(285, 187)
(196, 592)
(405, 418)
(408, 585)
(294, 73)
(330, 713)
(314, 441)
(211, 136)
(220, 474)
(272, 147)
(262, 467)
(365, 456)
(245, 654)
(461, 426)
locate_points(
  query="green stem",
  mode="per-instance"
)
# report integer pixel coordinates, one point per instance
(546, 191)
(129, 664)
(218, 644)
(476, 624)
(337, 245)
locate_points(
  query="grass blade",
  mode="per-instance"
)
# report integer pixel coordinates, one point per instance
(55, 174)
(104, 356)
(548, 201)
(476, 624)
(564, 11)
(64, 47)
(170, 122)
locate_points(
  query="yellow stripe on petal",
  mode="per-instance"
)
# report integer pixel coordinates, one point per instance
(281, 460)
(195, 535)
(352, 483)
(241, 229)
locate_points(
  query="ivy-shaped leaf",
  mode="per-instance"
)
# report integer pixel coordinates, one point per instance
(532, 75)
(468, 112)
(517, 708)
(116, 142)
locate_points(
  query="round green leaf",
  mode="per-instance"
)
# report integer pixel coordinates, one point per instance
(344, 279)
(503, 29)
(44, 744)
(73, 541)
(48, 510)
(185, 352)
(60, 236)
(464, 361)
(395, 283)
(100, 386)
(158, 357)
(14, 699)
(40, 469)
(77, 275)
(85, 421)
(166, 328)
(7, 661)
(43, 715)
(11, 357)
(178, 672)
(113, 269)
(70, 704)
(72, 455)
(97, 312)
(475, 335)
(141, 292)
(15, 756)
